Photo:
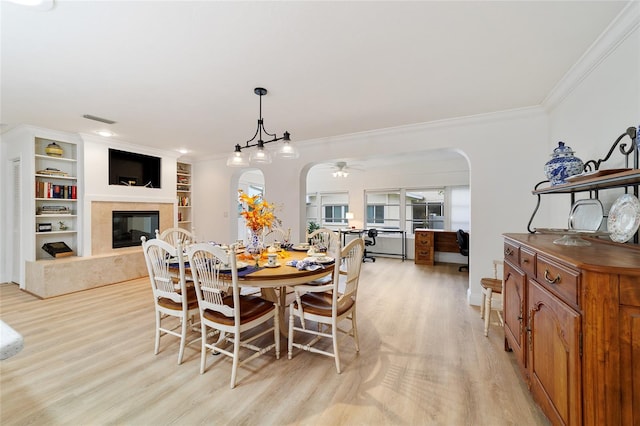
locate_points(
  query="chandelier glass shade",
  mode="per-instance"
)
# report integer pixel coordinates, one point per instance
(261, 155)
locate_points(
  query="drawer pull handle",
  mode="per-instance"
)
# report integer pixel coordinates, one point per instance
(508, 251)
(550, 280)
(525, 260)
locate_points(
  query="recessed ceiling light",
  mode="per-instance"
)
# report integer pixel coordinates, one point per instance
(39, 4)
(183, 151)
(104, 133)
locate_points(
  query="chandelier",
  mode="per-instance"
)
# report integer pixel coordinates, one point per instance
(261, 156)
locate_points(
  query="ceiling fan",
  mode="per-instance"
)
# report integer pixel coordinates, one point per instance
(341, 170)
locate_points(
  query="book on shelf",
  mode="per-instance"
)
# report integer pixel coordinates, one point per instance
(51, 190)
(50, 171)
(57, 249)
(53, 210)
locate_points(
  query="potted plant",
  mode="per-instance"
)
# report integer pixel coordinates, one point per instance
(312, 227)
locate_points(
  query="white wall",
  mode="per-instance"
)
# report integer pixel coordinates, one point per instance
(597, 105)
(499, 148)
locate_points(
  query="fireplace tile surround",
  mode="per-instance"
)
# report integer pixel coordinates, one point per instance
(105, 265)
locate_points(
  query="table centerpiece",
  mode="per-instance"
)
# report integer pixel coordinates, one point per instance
(259, 215)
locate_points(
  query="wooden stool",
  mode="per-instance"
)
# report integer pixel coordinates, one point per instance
(491, 287)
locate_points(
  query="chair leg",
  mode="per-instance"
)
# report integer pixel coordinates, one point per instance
(290, 339)
(354, 329)
(236, 354)
(482, 304)
(334, 332)
(183, 338)
(158, 325)
(203, 348)
(276, 331)
(487, 312)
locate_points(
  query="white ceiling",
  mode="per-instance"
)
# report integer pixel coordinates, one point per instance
(181, 74)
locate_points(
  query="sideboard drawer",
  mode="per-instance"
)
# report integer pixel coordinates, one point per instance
(512, 253)
(559, 280)
(528, 261)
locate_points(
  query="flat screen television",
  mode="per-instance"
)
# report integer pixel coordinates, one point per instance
(132, 169)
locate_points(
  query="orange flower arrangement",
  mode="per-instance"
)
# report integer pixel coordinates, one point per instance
(258, 213)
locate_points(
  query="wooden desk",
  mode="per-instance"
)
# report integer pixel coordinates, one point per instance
(361, 232)
(429, 241)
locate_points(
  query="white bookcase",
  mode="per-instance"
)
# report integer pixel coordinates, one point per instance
(183, 193)
(56, 194)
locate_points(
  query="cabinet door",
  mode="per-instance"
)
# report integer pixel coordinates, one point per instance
(515, 313)
(630, 364)
(554, 358)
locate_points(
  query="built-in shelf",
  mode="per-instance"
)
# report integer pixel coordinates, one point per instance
(57, 177)
(56, 232)
(183, 195)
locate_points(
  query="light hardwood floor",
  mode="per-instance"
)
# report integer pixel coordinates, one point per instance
(88, 359)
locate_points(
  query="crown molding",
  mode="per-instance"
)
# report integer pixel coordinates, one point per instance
(627, 21)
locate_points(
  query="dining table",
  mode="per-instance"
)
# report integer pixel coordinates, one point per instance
(273, 281)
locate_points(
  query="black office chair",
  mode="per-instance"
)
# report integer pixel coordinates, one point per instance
(371, 233)
(463, 244)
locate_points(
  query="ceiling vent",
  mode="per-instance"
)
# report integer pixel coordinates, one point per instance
(100, 119)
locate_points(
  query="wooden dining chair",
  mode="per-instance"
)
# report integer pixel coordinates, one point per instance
(329, 240)
(324, 238)
(223, 308)
(328, 305)
(276, 234)
(492, 296)
(172, 299)
(176, 235)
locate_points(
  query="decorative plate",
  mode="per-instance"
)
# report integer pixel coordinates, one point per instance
(300, 247)
(322, 259)
(266, 265)
(586, 215)
(239, 265)
(624, 218)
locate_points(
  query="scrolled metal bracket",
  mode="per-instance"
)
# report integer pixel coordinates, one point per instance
(593, 165)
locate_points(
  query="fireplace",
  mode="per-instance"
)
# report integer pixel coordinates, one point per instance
(129, 226)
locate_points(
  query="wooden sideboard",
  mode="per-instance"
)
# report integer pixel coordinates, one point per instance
(572, 319)
(429, 241)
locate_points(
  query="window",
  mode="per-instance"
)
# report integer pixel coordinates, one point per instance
(335, 214)
(375, 213)
(383, 209)
(460, 208)
(329, 210)
(312, 208)
(424, 208)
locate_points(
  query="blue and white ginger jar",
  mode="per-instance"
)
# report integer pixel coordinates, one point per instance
(562, 165)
